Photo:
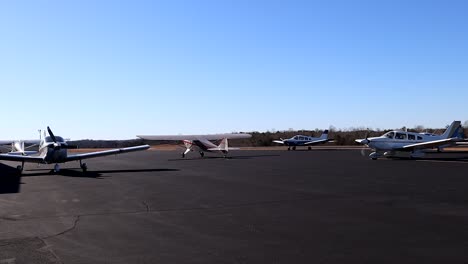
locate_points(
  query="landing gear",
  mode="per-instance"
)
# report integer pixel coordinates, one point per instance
(294, 148)
(83, 166)
(56, 168)
(202, 154)
(20, 168)
(183, 155)
(289, 148)
(309, 148)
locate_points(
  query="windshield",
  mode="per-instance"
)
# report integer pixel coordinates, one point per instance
(389, 134)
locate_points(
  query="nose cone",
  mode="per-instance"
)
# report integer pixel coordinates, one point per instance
(362, 141)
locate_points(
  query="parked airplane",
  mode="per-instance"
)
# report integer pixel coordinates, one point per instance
(201, 142)
(411, 144)
(300, 140)
(53, 149)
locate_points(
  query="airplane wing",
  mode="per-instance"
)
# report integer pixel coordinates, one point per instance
(317, 141)
(429, 144)
(194, 137)
(21, 158)
(82, 156)
(278, 141)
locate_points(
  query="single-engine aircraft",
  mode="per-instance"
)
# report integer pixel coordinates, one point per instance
(54, 149)
(300, 140)
(400, 144)
(201, 142)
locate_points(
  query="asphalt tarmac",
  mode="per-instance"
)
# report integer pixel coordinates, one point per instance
(317, 206)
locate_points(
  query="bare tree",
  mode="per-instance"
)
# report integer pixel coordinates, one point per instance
(419, 128)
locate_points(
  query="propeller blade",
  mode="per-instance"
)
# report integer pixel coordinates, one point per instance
(51, 135)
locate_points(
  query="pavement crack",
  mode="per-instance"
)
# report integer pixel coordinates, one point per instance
(75, 223)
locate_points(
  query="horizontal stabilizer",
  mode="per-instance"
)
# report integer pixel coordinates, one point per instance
(222, 149)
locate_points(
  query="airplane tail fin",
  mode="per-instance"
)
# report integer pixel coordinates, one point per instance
(324, 134)
(453, 131)
(224, 146)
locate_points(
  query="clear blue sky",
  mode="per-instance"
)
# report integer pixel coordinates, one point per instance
(114, 69)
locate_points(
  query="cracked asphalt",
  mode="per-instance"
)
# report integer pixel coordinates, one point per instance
(257, 207)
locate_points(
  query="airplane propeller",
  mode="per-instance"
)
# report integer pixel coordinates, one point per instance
(365, 142)
(57, 145)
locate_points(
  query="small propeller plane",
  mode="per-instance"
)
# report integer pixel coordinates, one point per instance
(400, 144)
(54, 149)
(201, 142)
(300, 140)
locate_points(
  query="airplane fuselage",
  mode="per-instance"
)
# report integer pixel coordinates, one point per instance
(398, 139)
(299, 141)
(52, 152)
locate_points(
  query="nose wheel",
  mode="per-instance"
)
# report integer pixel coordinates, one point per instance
(56, 168)
(202, 154)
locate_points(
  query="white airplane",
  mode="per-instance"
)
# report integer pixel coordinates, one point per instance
(201, 142)
(53, 149)
(410, 144)
(300, 140)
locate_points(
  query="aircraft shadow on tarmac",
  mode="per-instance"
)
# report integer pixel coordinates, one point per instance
(10, 180)
(223, 158)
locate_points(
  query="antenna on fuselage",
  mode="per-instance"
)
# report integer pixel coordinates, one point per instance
(40, 134)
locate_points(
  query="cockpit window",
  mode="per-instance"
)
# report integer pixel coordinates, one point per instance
(389, 134)
(296, 138)
(59, 139)
(400, 136)
(411, 137)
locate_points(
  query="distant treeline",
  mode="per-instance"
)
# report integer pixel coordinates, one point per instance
(265, 139)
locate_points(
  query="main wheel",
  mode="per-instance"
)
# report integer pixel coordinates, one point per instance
(84, 167)
(294, 148)
(309, 148)
(183, 155)
(289, 148)
(19, 168)
(202, 154)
